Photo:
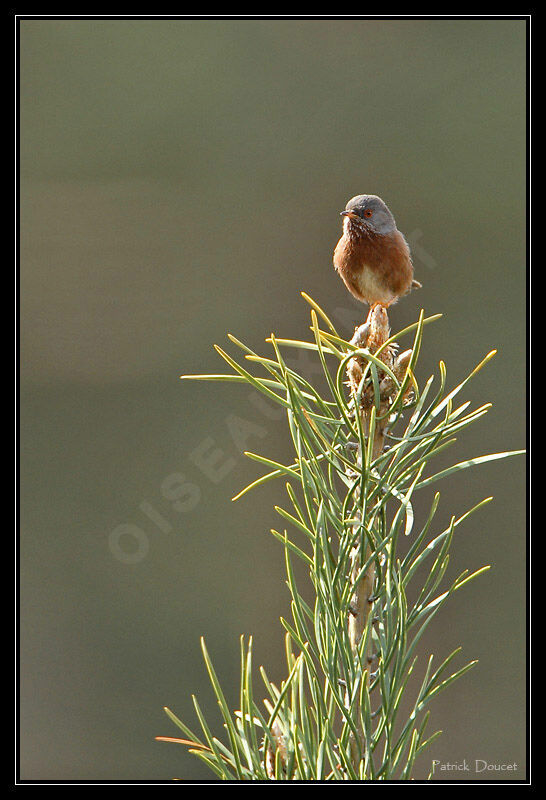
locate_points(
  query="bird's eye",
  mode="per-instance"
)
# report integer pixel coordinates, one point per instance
(368, 212)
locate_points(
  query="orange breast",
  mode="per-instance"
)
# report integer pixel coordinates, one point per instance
(375, 269)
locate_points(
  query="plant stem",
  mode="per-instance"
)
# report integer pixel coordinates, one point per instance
(371, 335)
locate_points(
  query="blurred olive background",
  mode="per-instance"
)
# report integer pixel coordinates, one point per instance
(181, 180)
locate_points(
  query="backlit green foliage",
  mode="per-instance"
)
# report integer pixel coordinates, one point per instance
(336, 500)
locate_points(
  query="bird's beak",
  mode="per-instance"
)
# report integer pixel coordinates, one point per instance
(350, 214)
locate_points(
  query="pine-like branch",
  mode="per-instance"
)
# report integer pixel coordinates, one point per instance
(351, 655)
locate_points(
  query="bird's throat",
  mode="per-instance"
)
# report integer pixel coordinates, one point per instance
(355, 230)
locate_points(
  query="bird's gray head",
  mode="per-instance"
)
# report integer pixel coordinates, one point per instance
(369, 214)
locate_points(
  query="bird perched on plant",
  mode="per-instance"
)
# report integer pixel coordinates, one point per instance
(372, 256)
